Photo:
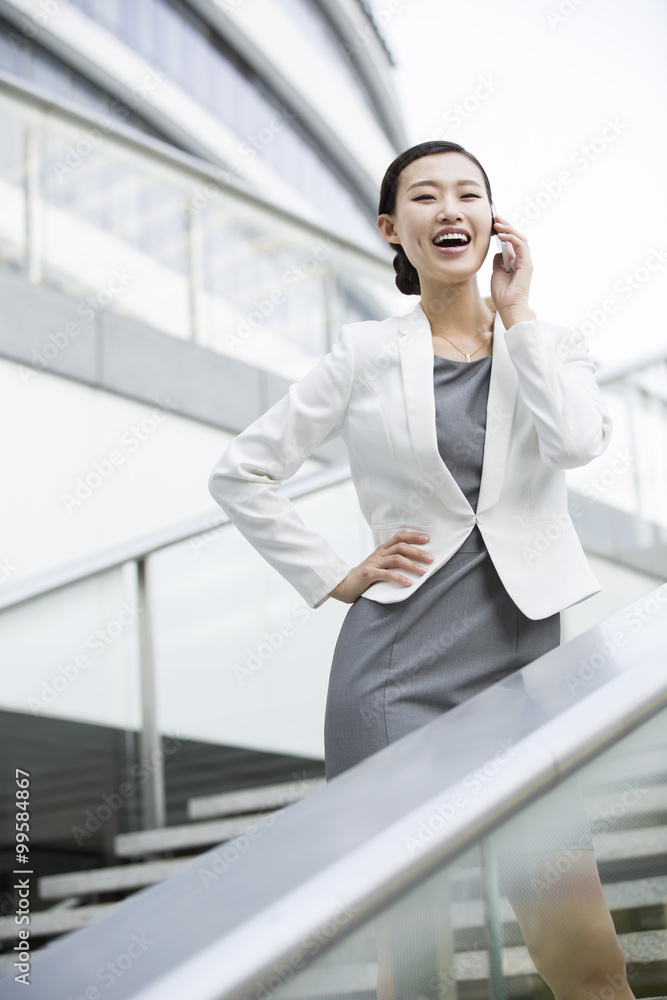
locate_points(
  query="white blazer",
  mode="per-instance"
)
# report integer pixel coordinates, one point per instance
(545, 414)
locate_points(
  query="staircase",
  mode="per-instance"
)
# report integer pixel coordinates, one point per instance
(631, 851)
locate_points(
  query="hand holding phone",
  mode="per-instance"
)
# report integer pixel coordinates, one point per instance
(502, 246)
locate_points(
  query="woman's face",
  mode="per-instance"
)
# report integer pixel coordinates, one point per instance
(455, 198)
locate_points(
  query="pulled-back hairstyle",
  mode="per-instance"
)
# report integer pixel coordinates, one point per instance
(407, 278)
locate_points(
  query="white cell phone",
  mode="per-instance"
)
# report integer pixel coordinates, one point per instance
(502, 245)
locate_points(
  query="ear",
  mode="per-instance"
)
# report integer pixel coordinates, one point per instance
(494, 231)
(387, 230)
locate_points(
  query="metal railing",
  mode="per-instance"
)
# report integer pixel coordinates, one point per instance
(134, 556)
(326, 866)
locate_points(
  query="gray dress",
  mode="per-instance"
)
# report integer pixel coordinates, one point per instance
(397, 666)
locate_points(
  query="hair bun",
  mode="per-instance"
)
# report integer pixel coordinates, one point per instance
(407, 278)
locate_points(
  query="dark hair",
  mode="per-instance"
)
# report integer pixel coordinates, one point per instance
(407, 278)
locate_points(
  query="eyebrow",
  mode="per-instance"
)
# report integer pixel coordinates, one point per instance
(437, 183)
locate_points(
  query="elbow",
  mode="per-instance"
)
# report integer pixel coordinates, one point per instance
(219, 486)
(596, 443)
(213, 484)
(580, 450)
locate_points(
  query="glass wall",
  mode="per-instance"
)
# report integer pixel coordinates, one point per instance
(13, 234)
(22, 56)
(128, 230)
(530, 911)
(632, 474)
(173, 38)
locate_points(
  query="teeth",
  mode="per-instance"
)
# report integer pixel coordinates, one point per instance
(439, 240)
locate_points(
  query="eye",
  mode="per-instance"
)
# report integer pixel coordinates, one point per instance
(471, 195)
(422, 196)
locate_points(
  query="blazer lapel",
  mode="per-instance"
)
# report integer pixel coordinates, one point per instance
(416, 351)
(416, 354)
(499, 415)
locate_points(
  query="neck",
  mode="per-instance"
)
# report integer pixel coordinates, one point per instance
(458, 311)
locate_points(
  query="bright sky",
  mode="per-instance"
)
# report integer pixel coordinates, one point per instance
(563, 102)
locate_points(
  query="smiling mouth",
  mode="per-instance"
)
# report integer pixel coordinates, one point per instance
(452, 245)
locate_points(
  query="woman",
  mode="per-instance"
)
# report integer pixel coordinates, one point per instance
(460, 420)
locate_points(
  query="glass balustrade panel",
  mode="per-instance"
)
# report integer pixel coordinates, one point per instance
(13, 213)
(240, 658)
(116, 233)
(514, 914)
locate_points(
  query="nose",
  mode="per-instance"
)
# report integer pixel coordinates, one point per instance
(449, 208)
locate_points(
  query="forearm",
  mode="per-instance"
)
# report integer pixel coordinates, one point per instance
(557, 383)
(518, 314)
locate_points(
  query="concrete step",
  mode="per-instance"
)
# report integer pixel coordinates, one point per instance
(247, 800)
(633, 802)
(118, 878)
(619, 896)
(340, 977)
(625, 844)
(634, 768)
(177, 838)
(621, 845)
(59, 920)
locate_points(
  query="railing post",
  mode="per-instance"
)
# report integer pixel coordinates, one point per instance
(150, 743)
(196, 274)
(494, 923)
(34, 205)
(332, 298)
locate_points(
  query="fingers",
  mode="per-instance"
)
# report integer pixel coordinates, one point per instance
(508, 234)
(407, 535)
(397, 552)
(400, 553)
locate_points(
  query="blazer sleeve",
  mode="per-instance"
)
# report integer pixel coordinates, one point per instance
(246, 478)
(556, 381)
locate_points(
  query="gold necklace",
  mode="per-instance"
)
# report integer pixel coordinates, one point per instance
(465, 355)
